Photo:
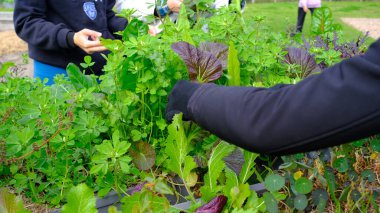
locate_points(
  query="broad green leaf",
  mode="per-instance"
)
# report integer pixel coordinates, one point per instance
(233, 66)
(248, 167)
(341, 164)
(143, 155)
(274, 182)
(322, 21)
(215, 165)
(300, 202)
(303, 185)
(144, 202)
(78, 79)
(80, 199)
(127, 79)
(9, 203)
(270, 202)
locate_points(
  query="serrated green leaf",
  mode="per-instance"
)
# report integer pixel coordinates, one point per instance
(231, 181)
(233, 66)
(216, 165)
(80, 199)
(177, 149)
(248, 167)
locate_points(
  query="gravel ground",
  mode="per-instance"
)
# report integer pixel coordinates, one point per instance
(365, 24)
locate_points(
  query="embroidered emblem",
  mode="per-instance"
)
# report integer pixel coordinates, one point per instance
(90, 10)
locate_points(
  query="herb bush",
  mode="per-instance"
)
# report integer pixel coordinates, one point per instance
(62, 143)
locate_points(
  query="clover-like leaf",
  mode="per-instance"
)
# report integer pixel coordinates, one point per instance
(143, 155)
(202, 66)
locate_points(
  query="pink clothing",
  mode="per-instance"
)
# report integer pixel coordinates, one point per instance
(310, 3)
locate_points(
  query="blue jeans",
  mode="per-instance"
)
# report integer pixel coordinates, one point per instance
(43, 71)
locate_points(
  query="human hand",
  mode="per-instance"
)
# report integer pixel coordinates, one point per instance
(179, 98)
(174, 5)
(152, 30)
(88, 41)
(305, 9)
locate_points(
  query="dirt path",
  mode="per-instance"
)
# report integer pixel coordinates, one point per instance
(12, 48)
(365, 24)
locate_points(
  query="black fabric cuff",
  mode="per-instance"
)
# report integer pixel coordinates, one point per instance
(70, 39)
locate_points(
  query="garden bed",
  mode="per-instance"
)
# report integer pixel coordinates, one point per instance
(63, 144)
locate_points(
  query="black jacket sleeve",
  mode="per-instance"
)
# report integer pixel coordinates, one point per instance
(31, 26)
(115, 23)
(340, 105)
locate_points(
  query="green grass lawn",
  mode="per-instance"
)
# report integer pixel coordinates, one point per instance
(6, 9)
(279, 16)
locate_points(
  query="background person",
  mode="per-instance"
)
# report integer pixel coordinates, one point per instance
(60, 32)
(340, 105)
(303, 7)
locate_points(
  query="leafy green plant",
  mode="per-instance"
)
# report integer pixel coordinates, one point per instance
(323, 22)
(80, 199)
(9, 203)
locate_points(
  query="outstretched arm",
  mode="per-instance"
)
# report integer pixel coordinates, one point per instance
(338, 106)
